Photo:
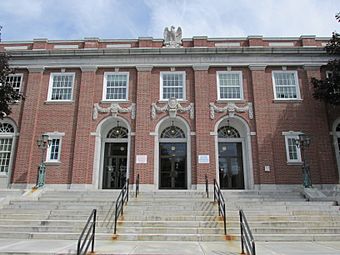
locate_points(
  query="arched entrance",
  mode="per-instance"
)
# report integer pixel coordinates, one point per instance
(233, 154)
(336, 137)
(7, 146)
(172, 154)
(112, 153)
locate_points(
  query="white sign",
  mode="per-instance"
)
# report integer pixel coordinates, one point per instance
(203, 159)
(141, 159)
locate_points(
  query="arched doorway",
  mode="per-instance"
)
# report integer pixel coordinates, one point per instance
(111, 161)
(7, 147)
(336, 137)
(233, 154)
(172, 154)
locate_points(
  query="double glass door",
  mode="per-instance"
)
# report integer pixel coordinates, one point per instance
(172, 166)
(115, 165)
(230, 165)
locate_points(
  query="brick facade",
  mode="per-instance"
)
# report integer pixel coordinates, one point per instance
(263, 140)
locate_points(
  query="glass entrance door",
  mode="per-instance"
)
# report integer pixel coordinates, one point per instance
(172, 165)
(115, 165)
(230, 165)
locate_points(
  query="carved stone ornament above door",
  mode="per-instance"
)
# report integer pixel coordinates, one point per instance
(230, 109)
(172, 107)
(114, 108)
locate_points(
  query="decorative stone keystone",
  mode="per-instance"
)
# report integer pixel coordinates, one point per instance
(173, 106)
(114, 108)
(230, 109)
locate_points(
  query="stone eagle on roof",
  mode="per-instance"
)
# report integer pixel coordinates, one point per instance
(172, 38)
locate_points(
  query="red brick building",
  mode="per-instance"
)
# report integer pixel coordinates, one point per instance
(228, 108)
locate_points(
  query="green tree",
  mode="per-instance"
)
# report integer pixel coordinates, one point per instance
(7, 94)
(328, 89)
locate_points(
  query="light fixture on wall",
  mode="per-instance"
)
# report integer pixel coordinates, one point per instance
(117, 130)
(172, 128)
(228, 128)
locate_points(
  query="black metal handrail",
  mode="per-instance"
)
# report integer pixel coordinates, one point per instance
(121, 200)
(137, 185)
(206, 186)
(218, 196)
(90, 226)
(247, 239)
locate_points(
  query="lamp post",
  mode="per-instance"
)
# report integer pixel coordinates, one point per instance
(303, 142)
(43, 143)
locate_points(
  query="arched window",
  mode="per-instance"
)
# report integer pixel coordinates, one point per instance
(6, 141)
(118, 132)
(228, 132)
(172, 132)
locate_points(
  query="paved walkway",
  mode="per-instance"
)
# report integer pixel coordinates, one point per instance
(48, 247)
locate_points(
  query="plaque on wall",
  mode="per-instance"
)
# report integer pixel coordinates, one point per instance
(141, 159)
(203, 159)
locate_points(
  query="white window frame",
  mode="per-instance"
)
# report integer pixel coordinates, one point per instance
(105, 86)
(21, 79)
(49, 95)
(298, 95)
(54, 135)
(161, 85)
(219, 85)
(292, 135)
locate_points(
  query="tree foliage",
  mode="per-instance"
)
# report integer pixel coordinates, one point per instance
(328, 89)
(7, 94)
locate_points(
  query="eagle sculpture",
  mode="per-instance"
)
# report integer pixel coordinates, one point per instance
(172, 38)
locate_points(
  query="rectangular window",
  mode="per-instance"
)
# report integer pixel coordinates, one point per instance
(286, 85)
(172, 85)
(54, 150)
(116, 86)
(15, 81)
(61, 87)
(5, 154)
(229, 85)
(292, 150)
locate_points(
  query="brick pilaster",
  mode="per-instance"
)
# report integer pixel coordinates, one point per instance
(144, 142)
(26, 164)
(204, 141)
(82, 157)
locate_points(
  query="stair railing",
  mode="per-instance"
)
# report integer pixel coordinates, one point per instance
(137, 185)
(90, 230)
(247, 239)
(121, 200)
(206, 186)
(218, 196)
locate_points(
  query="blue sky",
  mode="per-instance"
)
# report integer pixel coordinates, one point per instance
(130, 19)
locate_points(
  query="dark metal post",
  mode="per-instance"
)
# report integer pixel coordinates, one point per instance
(115, 229)
(206, 186)
(241, 226)
(127, 190)
(214, 190)
(122, 201)
(94, 229)
(253, 243)
(225, 221)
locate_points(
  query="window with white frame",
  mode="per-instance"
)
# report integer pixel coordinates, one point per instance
(292, 150)
(172, 85)
(229, 85)
(54, 150)
(61, 87)
(15, 81)
(286, 85)
(6, 142)
(116, 86)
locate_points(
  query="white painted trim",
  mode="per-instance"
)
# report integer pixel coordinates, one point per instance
(54, 135)
(8, 48)
(103, 127)
(218, 84)
(292, 135)
(21, 75)
(105, 84)
(242, 126)
(298, 95)
(336, 135)
(161, 85)
(120, 45)
(49, 94)
(182, 123)
(227, 44)
(281, 44)
(66, 46)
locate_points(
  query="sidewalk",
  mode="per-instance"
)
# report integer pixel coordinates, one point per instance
(48, 247)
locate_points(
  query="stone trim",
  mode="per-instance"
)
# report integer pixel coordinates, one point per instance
(230, 109)
(172, 107)
(114, 108)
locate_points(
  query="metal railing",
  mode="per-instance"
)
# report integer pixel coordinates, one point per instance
(121, 200)
(206, 186)
(90, 226)
(247, 239)
(137, 185)
(218, 196)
